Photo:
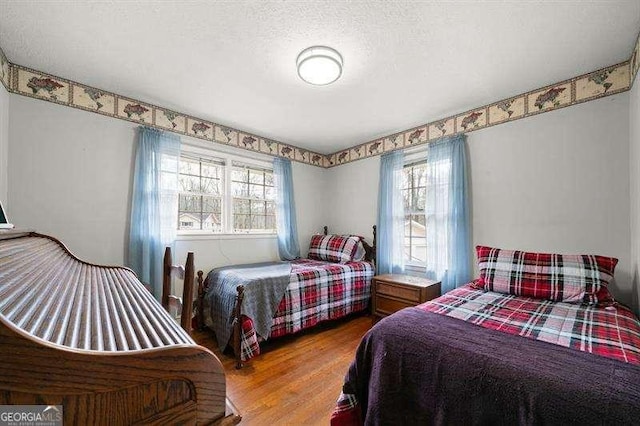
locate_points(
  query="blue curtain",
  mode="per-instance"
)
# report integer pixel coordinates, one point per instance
(288, 246)
(447, 213)
(154, 204)
(390, 244)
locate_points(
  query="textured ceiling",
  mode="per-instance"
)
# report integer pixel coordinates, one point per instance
(406, 63)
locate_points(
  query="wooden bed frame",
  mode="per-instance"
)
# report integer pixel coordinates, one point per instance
(162, 384)
(203, 285)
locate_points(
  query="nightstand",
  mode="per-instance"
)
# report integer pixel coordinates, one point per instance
(392, 292)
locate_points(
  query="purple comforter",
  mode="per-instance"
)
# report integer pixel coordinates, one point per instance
(417, 367)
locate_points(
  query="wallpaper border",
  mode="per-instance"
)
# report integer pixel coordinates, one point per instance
(47, 87)
(597, 84)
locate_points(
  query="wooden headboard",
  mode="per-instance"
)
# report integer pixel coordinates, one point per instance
(370, 249)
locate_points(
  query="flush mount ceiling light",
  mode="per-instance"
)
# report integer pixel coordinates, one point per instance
(319, 65)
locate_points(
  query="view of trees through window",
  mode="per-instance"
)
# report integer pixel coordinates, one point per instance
(254, 196)
(414, 194)
(205, 197)
(201, 189)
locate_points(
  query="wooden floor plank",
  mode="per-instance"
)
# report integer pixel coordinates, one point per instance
(297, 379)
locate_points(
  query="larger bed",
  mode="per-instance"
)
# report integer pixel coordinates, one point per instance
(479, 355)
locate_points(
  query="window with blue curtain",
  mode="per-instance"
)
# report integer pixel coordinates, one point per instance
(288, 246)
(154, 204)
(448, 254)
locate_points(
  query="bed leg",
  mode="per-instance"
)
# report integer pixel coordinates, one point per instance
(237, 326)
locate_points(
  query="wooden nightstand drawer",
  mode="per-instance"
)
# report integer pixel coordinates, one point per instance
(393, 292)
(407, 293)
(388, 306)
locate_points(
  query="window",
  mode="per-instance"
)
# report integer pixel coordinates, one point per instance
(200, 193)
(414, 194)
(253, 199)
(223, 196)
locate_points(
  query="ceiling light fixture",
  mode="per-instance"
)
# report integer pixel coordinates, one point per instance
(319, 65)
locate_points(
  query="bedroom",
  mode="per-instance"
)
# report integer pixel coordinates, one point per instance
(564, 180)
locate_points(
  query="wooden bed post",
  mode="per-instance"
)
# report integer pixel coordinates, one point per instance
(200, 303)
(375, 237)
(166, 278)
(187, 295)
(237, 326)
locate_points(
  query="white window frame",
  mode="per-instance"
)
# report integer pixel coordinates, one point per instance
(413, 157)
(227, 198)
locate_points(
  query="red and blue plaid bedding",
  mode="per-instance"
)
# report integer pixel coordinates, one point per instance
(318, 291)
(612, 331)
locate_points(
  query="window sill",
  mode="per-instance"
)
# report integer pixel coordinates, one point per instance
(211, 236)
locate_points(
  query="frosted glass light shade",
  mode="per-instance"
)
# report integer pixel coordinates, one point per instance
(319, 65)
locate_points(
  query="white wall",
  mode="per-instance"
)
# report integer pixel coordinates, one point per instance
(634, 160)
(353, 197)
(557, 182)
(71, 174)
(4, 144)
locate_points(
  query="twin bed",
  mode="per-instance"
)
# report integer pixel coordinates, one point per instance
(246, 304)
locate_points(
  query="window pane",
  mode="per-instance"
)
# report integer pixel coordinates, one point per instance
(268, 179)
(271, 208)
(188, 183)
(256, 176)
(256, 191)
(241, 222)
(271, 222)
(420, 197)
(419, 249)
(239, 175)
(190, 203)
(189, 167)
(257, 207)
(188, 220)
(406, 197)
(270, 193)
(241, 206)
(211, 205)
(240, 189)
(420, 175)
(211, 186)
(211, 170)
(257, 222)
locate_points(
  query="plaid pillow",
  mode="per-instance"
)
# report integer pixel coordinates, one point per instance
(556, 277)
(333, 248)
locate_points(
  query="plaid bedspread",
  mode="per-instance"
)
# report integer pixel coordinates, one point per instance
(613, 332)
(318, 291)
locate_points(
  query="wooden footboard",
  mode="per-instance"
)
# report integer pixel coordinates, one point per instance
(93, 339)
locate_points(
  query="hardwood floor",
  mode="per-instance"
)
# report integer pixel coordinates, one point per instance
(296, 379)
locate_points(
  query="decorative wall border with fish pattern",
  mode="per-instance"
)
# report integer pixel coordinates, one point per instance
(36, 84)
(604, 82)
(5, 69)
(594, 85)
